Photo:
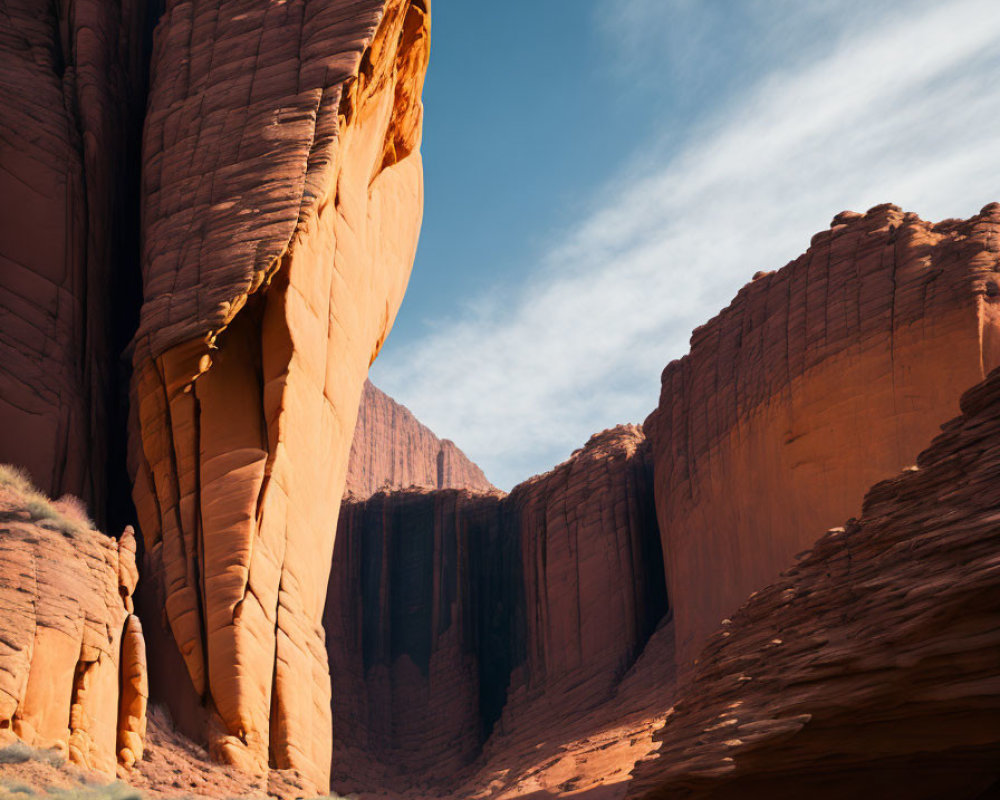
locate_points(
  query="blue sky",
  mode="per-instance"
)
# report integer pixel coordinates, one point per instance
(601, 177)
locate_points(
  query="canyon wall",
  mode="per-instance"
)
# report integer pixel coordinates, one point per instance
(282, 195)
(69, 88)
(869, 669)
(816, 382)
(453, 615)
(72, 659)
(392, 449)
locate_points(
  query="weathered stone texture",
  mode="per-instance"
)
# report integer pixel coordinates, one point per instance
(392, 449)
(67, 95)
(72, 663)
(282, 197)
(870, 668)
(816, 382)
(453, 616)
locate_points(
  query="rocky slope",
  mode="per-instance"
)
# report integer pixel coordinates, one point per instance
(72, 659)
(872, 667)
(282, 192)
(453, 615)
(392, 449)
(816, 382)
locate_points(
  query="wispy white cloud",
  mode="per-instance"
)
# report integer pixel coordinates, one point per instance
(905, 107)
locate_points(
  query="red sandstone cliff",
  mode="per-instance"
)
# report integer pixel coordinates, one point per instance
(872, 667)
(72, 659)
(69, 87)
(816, 382)
(454, 615)
(482, 645)
(867, 339)
(393, 450)
(282, 197)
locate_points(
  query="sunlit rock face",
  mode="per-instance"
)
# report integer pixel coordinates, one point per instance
(455, 616)
(282, 197)
(72, 658)
(392, 449)
(817, 381)
(869, 669)
(69, 87)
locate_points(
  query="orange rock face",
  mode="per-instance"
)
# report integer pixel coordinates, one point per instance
(818, 380)
(870, 668)
(282, 197)
(67, 91)
(453, 616)
(392, 449)
(72, 661)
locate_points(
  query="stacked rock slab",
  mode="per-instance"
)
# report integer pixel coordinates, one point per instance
(67, 90)
(282, 197)
(454, 615)
(869, 669)
(392, 449)
(816, 382)
(72, 660)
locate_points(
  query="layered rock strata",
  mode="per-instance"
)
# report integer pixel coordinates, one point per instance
(70, 82)
(282, 194)
(392, 449)
(453, 615)
(816, 382)
(72, 659)
(870, 668)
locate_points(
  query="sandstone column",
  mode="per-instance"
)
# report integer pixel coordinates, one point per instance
(283, 197)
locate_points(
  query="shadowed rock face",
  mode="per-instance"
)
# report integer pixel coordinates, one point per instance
(72, 659)
(393, 450)
(816, 382)
(870, 668)
(282, 195)
(454, 615)
(70, 78)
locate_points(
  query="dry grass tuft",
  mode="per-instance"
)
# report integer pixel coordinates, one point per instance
(67, 514)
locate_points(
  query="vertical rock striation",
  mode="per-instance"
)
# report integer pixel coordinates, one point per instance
(392, 449)
(454, 615)
(70, 77)
(869, 669)
(282, 200)
(72, 660)
(816, 382)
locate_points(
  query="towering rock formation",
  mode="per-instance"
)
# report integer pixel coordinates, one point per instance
(393, 450)
(282, 194)
(816, 382)
(72, 660)
(869, 669)
(453, 614)
(69, 87)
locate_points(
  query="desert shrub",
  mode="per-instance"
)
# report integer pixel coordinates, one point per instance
(68, 514)
(19, 752)
(74, 509)
(16, 479)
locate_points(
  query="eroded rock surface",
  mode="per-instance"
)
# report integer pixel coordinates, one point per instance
(392, 449)
(870, 668)
(816, 382)
(282, 195)
(72, 661)
(68, 90)
(454, 616)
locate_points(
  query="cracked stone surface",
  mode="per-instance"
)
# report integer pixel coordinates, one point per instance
(72, 659)
(282, 198)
